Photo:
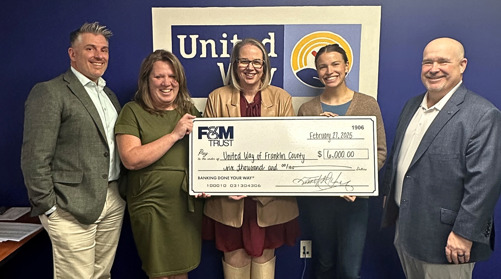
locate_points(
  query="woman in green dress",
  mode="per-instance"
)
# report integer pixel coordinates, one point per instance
(152, 140)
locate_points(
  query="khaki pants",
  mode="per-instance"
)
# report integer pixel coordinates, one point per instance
(417, 269)
(86, 251)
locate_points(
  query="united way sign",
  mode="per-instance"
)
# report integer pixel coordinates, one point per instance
(203, 38)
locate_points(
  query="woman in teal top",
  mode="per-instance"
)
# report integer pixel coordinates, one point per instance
(152, 140)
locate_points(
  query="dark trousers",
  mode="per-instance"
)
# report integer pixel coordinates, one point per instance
(338, 230)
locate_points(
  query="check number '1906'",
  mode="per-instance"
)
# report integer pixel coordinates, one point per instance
(274, 156)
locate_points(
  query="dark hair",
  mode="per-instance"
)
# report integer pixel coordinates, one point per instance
(331, 48)
(265, 79)
(182, 102)
(94, 28)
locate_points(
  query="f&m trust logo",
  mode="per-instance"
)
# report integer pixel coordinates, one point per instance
(217, 135)
(304, 53)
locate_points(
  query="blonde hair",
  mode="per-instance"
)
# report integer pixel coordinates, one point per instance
(265, 79)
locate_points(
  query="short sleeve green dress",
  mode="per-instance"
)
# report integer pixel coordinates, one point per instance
(166, 222)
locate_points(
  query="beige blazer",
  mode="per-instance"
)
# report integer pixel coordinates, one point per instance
(225, 102)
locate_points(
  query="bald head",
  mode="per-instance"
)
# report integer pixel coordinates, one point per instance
(454, 46)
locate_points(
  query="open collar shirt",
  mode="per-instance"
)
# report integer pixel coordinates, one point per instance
(108, 115)
(418, 126)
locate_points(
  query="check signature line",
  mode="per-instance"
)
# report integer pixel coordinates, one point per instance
(315, 186)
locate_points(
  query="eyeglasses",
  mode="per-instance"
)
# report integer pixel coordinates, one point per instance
(256, 63)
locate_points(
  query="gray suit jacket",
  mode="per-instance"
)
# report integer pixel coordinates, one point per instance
(65, 155)
(453, 181)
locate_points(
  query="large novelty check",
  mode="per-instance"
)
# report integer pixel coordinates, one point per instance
(284, 156)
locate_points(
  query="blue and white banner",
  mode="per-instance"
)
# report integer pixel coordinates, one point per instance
(203, 38)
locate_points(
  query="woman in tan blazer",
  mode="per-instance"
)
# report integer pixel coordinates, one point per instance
(248, 229)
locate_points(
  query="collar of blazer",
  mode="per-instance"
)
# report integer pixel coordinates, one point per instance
(449, 110)
(79, 91)
(265, 98)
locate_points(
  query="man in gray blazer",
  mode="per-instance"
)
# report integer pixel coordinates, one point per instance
(443, 177)
(70, 162)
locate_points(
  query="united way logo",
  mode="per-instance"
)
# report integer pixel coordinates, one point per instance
(304, 52)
